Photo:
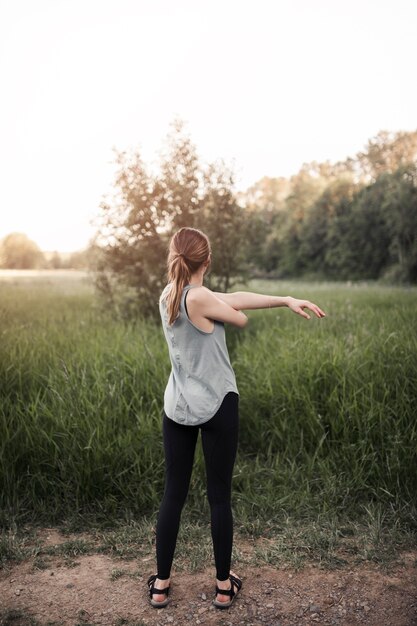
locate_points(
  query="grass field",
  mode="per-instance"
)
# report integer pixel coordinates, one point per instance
(328, 434)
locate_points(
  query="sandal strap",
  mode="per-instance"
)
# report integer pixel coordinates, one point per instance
(156, 590)
(231, 592)
(226, 592)
(153, 589)
(236, 581)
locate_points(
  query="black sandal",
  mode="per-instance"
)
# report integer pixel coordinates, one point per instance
(153, 589)
(228, 592)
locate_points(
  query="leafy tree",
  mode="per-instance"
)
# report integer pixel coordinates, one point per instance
(55, 262)
(306, 187)
(224, 222)
(256, 243)
(376, 233)
(180, 179)
(267, 196)
(317, 220)
(131, 240)
(399, 207)
(275, 247)
(17, 251)
(84, 259)
(358, 238)
(264, 204)
(135, 226)
(388, 151)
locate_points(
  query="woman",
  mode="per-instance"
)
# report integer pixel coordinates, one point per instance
(201, 394)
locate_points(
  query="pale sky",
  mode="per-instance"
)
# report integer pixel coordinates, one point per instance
(264, 84)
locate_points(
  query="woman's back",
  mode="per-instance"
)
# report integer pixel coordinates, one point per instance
(201, 373)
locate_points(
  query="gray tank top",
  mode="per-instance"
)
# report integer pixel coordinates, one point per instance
(201, 373)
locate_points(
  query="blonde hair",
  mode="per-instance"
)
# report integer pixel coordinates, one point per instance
(189, 248)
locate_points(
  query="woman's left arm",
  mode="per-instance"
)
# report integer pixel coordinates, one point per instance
(248, 300)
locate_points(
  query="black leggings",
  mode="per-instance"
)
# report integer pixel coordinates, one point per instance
(219, 437)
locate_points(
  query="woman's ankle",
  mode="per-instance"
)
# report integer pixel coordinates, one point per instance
(223, 584)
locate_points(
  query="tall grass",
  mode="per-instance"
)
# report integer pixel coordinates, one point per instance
(327, 407)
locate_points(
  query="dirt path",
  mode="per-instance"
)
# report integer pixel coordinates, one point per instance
(98, 589)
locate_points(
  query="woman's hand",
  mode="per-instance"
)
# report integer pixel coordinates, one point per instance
(298, 305)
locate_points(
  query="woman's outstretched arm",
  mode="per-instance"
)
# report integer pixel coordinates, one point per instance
(248, 300)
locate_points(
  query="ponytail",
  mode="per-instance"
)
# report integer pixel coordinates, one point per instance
(189, 248)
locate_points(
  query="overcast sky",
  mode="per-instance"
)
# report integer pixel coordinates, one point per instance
(265, 84)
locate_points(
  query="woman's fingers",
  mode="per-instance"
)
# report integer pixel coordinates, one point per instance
(317, 310)
(305, 304)
(297, 308)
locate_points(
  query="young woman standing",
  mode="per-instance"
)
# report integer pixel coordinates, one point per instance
(201, 394)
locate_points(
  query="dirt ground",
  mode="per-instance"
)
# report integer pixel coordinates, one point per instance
(98, 589)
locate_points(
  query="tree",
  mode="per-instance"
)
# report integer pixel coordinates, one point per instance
(131, 241)
(358, 237)
(225, 223)
(388, 151)
(181, 178)
(264, 204)
(399, 207)
(85, 259)
(306, 187)
(135, 226)
(267, 196)
(17, 251)
(316, 224)
(55, 261)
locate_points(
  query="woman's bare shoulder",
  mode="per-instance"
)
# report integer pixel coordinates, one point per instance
(200, 294)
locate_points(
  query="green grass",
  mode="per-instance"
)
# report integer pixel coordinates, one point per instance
(327, 542)
(328, 435)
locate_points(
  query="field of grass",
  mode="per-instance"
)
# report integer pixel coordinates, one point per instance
(328, 431)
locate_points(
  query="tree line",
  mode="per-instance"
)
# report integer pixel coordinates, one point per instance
(18, 251)
(355, 219)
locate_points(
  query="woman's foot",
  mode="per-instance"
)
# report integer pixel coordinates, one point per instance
(227, 585)
(223, 584)
(159, 584)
